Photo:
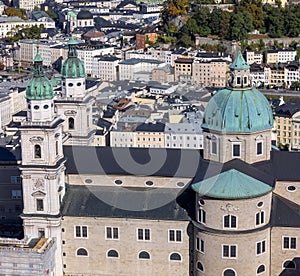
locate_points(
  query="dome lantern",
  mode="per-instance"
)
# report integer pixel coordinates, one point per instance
(39, 87)
(73, 67)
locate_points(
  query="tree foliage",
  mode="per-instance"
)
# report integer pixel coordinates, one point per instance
(249, 15)
(10, 11)
(31, 33)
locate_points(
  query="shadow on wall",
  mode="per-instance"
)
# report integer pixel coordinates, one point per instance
(291, 267)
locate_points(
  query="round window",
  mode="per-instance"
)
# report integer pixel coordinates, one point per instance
(46, 106)
(36, 107)
(149, 183)
(79, 84)
(70, 84)
(260, 204)
(118, 182)
(201, 202)
(88, 181)
(180, 184)
(291, 188)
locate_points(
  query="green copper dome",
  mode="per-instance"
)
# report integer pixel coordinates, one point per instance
(73, 67)
(231, 184)
(39, 87)
(238, 108)
(238, 111)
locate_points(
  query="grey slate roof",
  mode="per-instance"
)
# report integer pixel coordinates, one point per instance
(131, 161)
(8, 155)
(120, 202)
(288, 109)
(285, 213)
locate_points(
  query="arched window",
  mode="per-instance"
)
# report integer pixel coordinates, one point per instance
(71, 123)
(261, 269)
(200, 266)
(229, 272)
(289, 264)
(112, 254)
(260, 218)
(175, 257)
(37, 151)
(82, 252)
(144, 255)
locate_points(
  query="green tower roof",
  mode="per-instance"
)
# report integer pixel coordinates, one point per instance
(231, 184)
(73, 67)
(238, 111)
(239, 62)
(38, 57)
(39, 87)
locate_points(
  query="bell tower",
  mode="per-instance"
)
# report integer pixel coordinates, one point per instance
(74, 104)
(43, 168)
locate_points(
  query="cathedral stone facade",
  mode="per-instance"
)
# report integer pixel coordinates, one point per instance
(117, 211)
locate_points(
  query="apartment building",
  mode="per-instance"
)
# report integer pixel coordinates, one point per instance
(254, 57)
(163, 74)
(87, 54)
(277, 74)
(287, 123)
(183, 69)
(280, 55)
(9, 25)
(210, 73)
(106, 68)
(129, 67)
(183, 136)
(150, 135)
(28, 4)
(291, 73)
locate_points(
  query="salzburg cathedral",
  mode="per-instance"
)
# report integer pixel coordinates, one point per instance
(233, 210)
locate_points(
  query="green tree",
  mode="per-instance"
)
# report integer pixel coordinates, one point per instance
(225, 25)
(10, 11)
(186, 40)
(241, 25)
(215, 21)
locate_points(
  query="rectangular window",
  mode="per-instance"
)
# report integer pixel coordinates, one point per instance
(202, 216)
(230, 221)
(213, 147)
(40, 205)
(15, 180)
(16, 194)
(201, 249)
(143, 234)
(258, 148)
(229, 251)
(112, 233)
(289, 243)
(175, 235)
(260, 247)
(81, 231)
(236, 150)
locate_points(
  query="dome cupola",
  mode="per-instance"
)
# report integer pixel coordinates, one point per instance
(73, 67)
(239, 108)
(39, 87)
(238, 120)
